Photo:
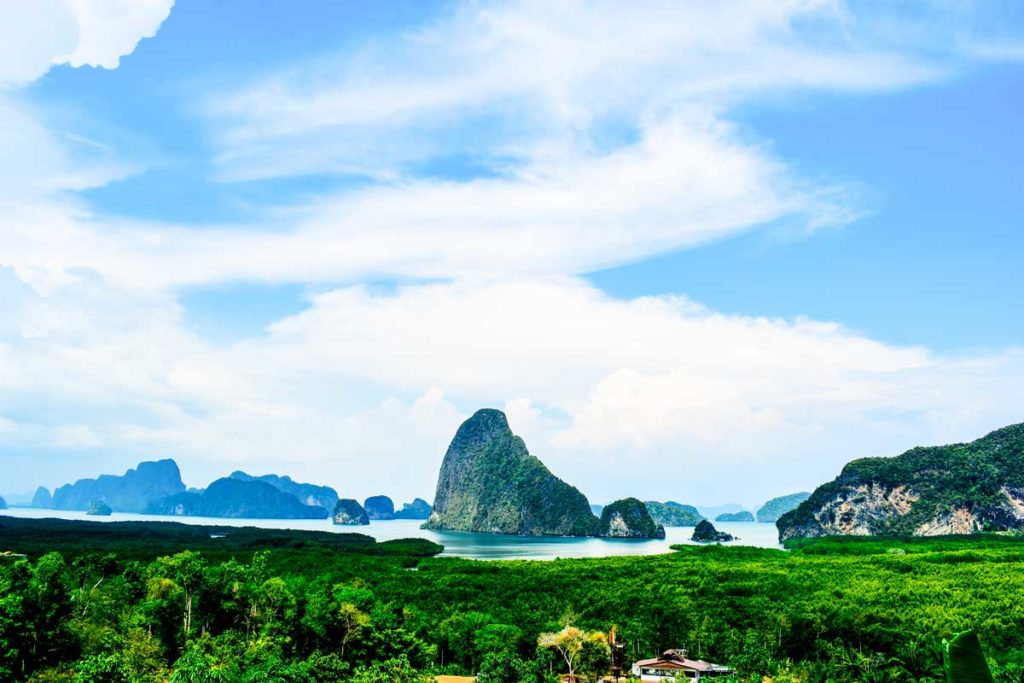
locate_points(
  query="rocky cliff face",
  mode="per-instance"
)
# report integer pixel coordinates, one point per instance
(131, 492)
(350, 512)
(42, 499)
(628, 518)
(3, 503)
(956, 489)
(379, 507)
(489, 482)
(236, 498)
(308, 494)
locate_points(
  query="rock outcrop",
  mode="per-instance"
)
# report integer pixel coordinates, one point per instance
(490, 483)
(379, 507)
(42, 499)
(99, 509)
(741, 516)
(131, 492)
(236, 498)
(350, 512)
(776, 507)
(3, 503)
(417, 509)
(671, 513)
(308, 494)
(628, 518)
(705, 532)
(955, 489)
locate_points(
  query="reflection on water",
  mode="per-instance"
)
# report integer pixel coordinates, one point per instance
(458, 543)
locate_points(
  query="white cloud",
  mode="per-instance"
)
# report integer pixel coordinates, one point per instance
(545, 73)
(365, 389)
(37, 35)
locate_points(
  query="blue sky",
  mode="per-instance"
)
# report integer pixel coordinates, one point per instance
(739, 242)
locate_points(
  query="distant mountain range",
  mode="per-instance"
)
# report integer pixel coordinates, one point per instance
(156, 488)
(131, 492)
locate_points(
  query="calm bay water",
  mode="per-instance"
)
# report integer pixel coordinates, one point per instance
(457, 543)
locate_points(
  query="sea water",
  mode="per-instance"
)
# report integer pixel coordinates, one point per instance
(457, 543)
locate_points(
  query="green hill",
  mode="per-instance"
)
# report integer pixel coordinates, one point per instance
(955, 489)
(489, 482)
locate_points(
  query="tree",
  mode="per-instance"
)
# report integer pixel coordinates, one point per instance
(580, 650)
(397, 670)
(504, 667)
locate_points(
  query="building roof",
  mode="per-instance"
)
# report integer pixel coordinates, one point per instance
(455, 679)
(674, 660)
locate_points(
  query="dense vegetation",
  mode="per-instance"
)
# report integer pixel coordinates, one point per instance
(776, 507)
(628, 518)
(489, 482)
(973, 477)
(126, 603)
(672, 513)
(238, 498)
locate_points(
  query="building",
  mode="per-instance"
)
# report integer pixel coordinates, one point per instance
(674, 662)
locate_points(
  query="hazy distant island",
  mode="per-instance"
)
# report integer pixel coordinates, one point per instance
(417, 509)
(379, 507)
(489, 482)
(131, 492)
(671, 513)
(237, 498)
(98, 508)
(776, 507)
(741, 516)
(348, 511)
(955, 489)
(307, 494)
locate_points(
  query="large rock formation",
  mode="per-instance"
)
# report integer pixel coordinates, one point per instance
(628, 518)
(417, 509)
(350, 512)
(776, 507)
(671, 513)
(379, 507)
(3, 503)
(705, 532)
(489, 482)
(308, 494)
(237, 498)
(741, 516)
(955, 489)
(131, 492)
(42, 499)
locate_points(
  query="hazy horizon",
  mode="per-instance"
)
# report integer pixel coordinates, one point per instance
(704, 252)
